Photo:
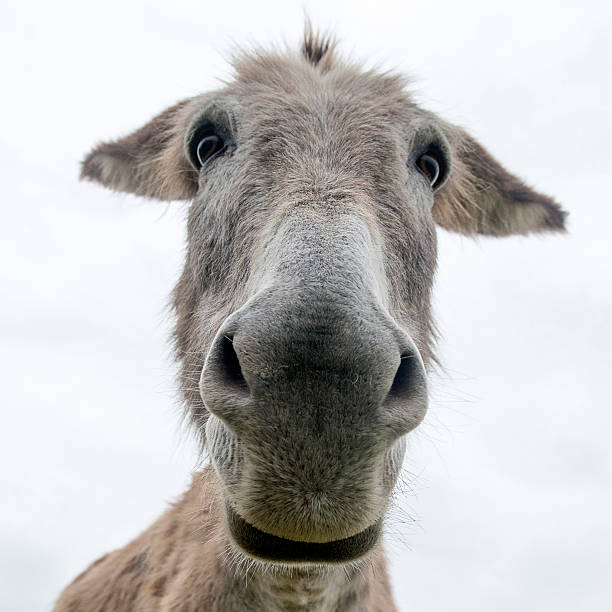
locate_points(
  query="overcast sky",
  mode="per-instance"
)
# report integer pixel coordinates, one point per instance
(509, 480)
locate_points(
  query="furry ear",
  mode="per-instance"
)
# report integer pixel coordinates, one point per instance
(482, 197)
(149, 162)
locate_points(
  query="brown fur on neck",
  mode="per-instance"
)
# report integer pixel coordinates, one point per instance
(183, 562)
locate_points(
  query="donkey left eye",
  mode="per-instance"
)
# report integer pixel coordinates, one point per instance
(430, 168)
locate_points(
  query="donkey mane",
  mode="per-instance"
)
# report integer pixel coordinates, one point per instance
(317, 46)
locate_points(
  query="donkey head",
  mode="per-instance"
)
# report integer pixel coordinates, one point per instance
(303, 311)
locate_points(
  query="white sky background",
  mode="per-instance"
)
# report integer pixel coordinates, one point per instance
(511, 474)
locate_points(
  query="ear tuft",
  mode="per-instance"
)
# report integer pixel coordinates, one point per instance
(149, 162)
(104, 165)
(482, 197)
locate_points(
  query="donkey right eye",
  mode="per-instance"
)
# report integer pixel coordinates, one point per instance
(208, 147)
(205, 145)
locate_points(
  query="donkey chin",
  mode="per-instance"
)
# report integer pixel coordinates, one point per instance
(307, 438)
(277, 513)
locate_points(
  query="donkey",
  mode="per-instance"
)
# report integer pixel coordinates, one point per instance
(303, 324)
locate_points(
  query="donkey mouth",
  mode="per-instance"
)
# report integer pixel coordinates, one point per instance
(267, 547)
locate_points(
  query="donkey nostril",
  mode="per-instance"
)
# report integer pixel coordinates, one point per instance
(223, 386)
(229, 364)
(406, 402)
(404, 377)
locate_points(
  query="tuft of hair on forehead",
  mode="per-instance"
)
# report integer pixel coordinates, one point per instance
(269, 65)
(317, 46)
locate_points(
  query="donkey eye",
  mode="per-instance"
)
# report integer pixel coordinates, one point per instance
(208, 147)
(204, 144)
(430, 168)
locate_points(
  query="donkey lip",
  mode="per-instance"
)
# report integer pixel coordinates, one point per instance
(269, 547)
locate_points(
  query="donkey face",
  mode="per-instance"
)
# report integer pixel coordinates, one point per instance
(303, 312)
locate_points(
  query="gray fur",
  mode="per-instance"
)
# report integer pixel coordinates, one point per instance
(304, 325)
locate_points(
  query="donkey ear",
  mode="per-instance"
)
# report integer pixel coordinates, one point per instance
(482, 197)
(149, 162)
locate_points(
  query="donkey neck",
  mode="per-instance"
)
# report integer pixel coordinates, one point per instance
(297, 589)
(185, 562)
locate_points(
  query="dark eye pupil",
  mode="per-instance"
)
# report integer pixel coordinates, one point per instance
(430, 167)
(207, 147)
